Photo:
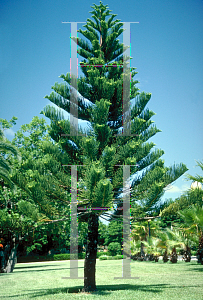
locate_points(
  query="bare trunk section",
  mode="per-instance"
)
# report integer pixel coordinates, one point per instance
(91, 254)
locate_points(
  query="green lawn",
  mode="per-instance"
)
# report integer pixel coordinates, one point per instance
(156, 281)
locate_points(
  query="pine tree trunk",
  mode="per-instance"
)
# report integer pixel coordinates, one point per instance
(91, 254)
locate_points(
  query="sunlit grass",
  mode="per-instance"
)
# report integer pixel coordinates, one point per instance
(156, 281)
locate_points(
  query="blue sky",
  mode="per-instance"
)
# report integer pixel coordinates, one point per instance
(166, 47)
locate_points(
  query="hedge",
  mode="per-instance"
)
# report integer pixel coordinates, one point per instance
(105, 257)
(103, 253)
(62, 256)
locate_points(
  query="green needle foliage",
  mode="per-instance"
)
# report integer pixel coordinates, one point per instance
(100, 180)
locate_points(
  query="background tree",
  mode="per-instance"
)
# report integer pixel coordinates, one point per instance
(114, 233)
(193, 217)
(5, 147)
(8, 247)
(153, 248)
(41, 174)
(173, 214)
(18, 214)
(101, 150)
(174, 239)
(102, 233)
(143, 230)
(114, 248)
(187, 199)
(43, 193)
(197, 178)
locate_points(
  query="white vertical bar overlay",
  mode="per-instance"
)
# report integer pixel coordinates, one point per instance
(126, 225)
(126, 221)
(74, 75)
(126, 80)
(73, 227)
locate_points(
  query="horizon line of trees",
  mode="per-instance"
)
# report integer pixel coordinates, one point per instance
(47, 235)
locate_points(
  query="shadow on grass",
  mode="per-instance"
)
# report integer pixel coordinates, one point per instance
(40, 266)
(197, 269)
(47, 270)
(101, 290)
(23, 269)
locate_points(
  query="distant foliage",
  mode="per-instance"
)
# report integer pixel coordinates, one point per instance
(114, 248)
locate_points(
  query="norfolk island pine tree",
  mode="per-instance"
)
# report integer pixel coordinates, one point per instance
(100, 180)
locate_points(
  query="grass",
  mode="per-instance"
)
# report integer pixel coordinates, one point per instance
(40, 281)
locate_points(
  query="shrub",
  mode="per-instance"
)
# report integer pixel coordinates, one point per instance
(103, 253)
(110, 257)
(103, 257)
(114, 248)
(135, 256)
(66, 256)
(64, 250)
(81, 255)
(118, 257)
(62, 256)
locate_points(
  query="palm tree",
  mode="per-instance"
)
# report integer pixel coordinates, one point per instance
(135, 248)
(153, 248)
(163, 244)
(142, 230)
(140, 233)
(193, 218)
(177, 239)
(5, 168)
(170, 240)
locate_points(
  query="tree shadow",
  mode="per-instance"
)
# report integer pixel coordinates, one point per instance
(30, 267)
(107, 289)
(22, 269)
(101, 290)
(196, 269)
(47, 270)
